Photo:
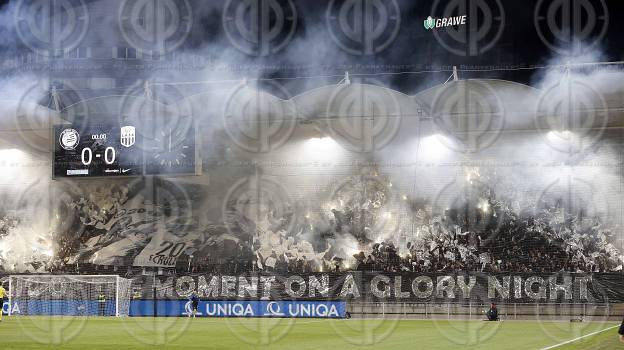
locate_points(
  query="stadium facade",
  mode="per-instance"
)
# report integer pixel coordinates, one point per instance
(355, 174)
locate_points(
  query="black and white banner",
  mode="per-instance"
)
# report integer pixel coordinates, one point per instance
(414, 287)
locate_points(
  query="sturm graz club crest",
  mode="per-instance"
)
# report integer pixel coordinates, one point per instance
(69, 139)
(128, 136)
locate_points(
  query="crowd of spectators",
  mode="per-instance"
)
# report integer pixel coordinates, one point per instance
(546, 242)
(494, 239)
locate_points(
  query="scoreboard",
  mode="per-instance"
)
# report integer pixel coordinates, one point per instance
(110, 149)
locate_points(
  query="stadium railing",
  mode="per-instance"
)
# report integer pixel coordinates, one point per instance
(471, 310)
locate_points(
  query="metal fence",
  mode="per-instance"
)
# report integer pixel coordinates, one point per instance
(476, 311)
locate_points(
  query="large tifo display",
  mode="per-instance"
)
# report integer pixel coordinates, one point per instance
(371, 286)
(110, 149)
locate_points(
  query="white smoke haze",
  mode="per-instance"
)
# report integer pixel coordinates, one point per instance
(419, 166)
(27, 223)
(29, 215)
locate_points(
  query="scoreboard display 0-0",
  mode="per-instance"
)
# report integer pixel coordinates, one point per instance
(110, 149)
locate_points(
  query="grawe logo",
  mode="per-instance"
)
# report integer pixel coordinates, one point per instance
(431, 22)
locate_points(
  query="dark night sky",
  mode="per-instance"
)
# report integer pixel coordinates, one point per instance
(519, 44)
(414, 48)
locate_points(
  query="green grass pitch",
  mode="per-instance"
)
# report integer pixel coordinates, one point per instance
(239, 333)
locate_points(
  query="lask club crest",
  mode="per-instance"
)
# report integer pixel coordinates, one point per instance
(128, 136)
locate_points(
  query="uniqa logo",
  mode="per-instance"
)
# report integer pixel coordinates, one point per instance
(312, 310)
(229, 310)
(188, 310)
(15, 310)
(431, 22)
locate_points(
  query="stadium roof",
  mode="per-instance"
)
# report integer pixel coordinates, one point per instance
(516, 103)
(27, 125)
